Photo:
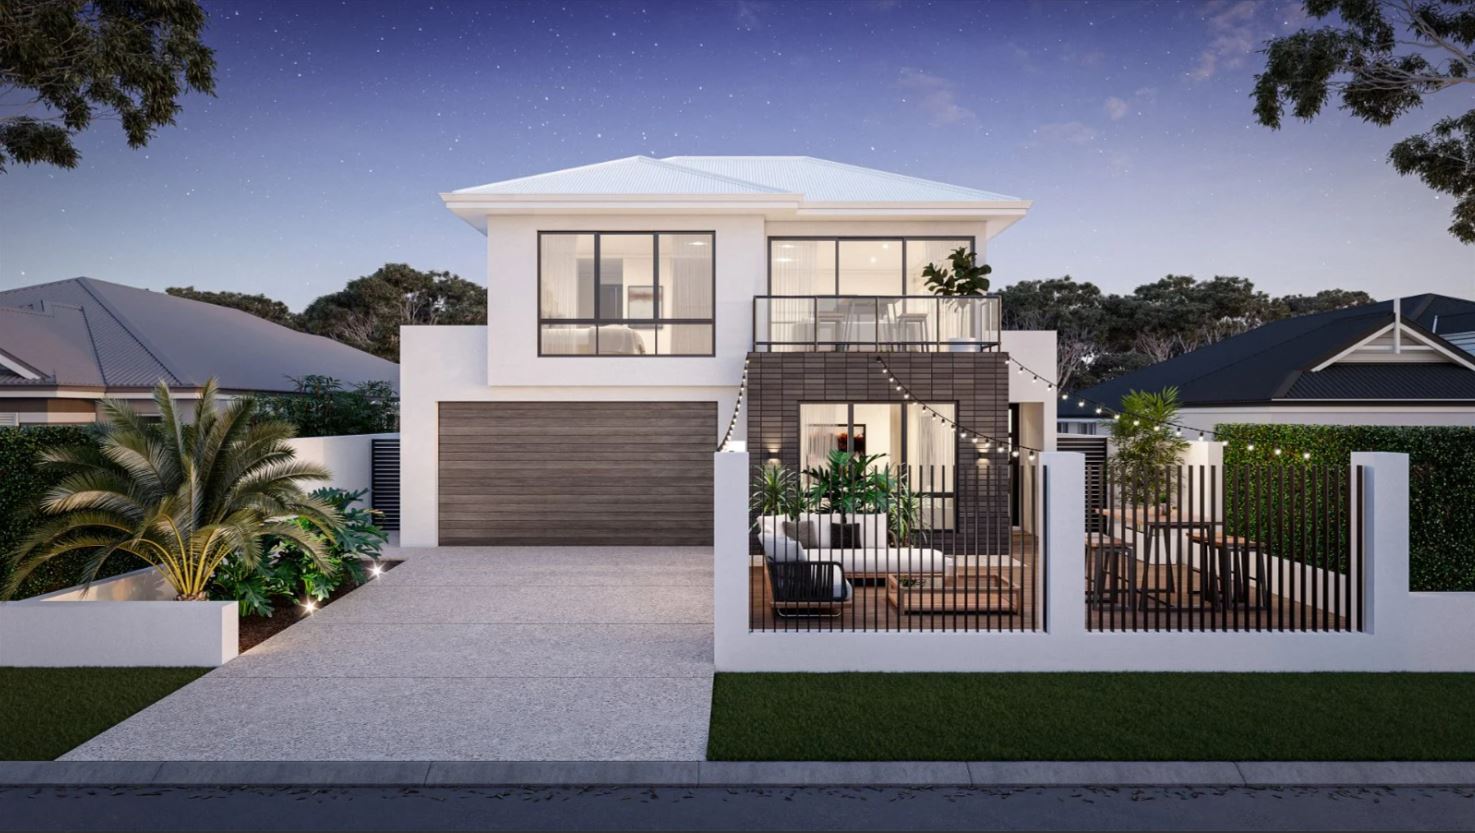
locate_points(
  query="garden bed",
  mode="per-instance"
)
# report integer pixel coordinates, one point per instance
(257, 629)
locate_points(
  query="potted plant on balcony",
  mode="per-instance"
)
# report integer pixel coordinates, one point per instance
(964, 277)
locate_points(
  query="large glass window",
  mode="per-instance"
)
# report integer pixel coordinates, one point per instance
(904, 434)
(625, 293)
(802, 267)
(855, 266)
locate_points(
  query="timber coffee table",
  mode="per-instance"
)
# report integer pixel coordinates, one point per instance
(980, 593)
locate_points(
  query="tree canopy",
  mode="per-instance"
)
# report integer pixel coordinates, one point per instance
(1102, 336)
(258, 305)
(367, 313)
(1382, 58)
(67, 61)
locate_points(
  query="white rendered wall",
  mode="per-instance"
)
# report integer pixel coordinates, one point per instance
(1035, 349)
(348, 457)
(126, 620)
(1404, 631)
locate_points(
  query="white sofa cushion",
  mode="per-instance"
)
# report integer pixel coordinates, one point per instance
(886, 560)
(872, 529)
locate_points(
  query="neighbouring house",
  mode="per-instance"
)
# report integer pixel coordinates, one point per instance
(1408, 361)
(67, 344)
(632, 301)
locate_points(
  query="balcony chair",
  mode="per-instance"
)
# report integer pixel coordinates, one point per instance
(811, 589)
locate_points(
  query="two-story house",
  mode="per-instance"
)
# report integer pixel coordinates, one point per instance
(632, 302)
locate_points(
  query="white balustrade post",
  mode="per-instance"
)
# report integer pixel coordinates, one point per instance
(1384, 511)
(1063, 551)
(731, 563)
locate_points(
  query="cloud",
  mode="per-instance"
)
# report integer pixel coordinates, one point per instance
(1067, 132)
(1117, 108)
(749, 14)
(936, 97)
(1235, 31)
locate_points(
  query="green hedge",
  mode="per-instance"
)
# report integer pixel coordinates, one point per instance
(1441, 484)
(21, 489)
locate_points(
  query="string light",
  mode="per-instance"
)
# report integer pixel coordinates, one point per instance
(736, 408)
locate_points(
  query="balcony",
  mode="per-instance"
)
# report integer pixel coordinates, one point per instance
(875, 323)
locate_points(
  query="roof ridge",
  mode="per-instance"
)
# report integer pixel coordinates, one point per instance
(153, 352)
(710, 175)
(542, 174)
(893, 175)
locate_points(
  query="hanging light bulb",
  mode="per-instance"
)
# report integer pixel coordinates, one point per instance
(1277, 452)
(1250, 447)
(1305, 455)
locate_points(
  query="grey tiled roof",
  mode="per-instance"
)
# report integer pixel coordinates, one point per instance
(1273, 362)
(86, 332)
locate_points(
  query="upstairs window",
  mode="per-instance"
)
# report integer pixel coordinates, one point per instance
(625, 293)
(856, 265)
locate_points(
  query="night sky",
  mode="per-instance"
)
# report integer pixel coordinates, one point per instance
(1129, 124)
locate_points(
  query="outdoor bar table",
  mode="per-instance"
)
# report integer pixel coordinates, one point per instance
(1156, 522)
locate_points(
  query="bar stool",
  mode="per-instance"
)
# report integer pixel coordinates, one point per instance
(1105, 557)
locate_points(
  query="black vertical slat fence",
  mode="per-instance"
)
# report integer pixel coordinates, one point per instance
(384, 482)
(1261, 547)
(909, 561)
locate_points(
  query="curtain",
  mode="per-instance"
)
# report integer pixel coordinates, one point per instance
(567, 276)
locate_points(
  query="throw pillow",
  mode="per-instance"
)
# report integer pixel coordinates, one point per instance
(845, 536)
(803, 532)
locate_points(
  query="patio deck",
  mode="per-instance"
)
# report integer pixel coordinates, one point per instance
(1184, 609)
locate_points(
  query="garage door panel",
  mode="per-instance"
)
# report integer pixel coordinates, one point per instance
(529, 473)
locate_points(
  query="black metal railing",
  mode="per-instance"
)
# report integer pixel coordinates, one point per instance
(915, 323)
(932, 549)
(1263, 547)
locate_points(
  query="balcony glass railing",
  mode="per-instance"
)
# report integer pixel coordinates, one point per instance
(921, 323)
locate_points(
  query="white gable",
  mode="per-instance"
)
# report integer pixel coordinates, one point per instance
(1398, 343)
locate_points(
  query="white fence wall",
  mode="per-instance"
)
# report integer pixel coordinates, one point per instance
(348, 457)
(1404, 631)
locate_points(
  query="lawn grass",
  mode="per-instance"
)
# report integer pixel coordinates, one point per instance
(1085, 717)
(45, 712)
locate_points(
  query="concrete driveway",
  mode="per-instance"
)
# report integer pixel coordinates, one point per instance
(535, 654)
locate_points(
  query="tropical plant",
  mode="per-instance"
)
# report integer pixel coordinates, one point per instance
(179, 495)
(776, 493)
(903, 506)
(844, 484)
(1146, 442)
(964, 277)
(287, 572)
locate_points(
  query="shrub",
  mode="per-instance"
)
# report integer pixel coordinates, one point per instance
(180, 494)
(21, 488)
(322, 407)
(287, 573)
(1441, 484)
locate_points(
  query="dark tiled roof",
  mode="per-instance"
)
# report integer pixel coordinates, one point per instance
(1385, 382)
(1273, 362)
(86, 332)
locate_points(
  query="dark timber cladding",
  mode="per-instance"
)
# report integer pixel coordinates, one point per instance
(978, 383)
(596, 473)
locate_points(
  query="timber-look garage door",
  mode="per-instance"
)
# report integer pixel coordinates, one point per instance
(596, 473)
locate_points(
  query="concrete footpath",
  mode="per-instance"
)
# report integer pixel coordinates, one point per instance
(736, 774)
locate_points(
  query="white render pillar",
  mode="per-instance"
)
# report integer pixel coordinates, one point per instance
(1384, 510)
(1063, 551)
(731, 563)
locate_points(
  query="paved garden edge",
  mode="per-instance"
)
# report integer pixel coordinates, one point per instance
(737, 773)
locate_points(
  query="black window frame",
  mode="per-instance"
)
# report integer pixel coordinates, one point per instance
(850, 425)
(655, 321)
(880, 238)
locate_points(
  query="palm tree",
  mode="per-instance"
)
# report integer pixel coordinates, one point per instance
(179, 495)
